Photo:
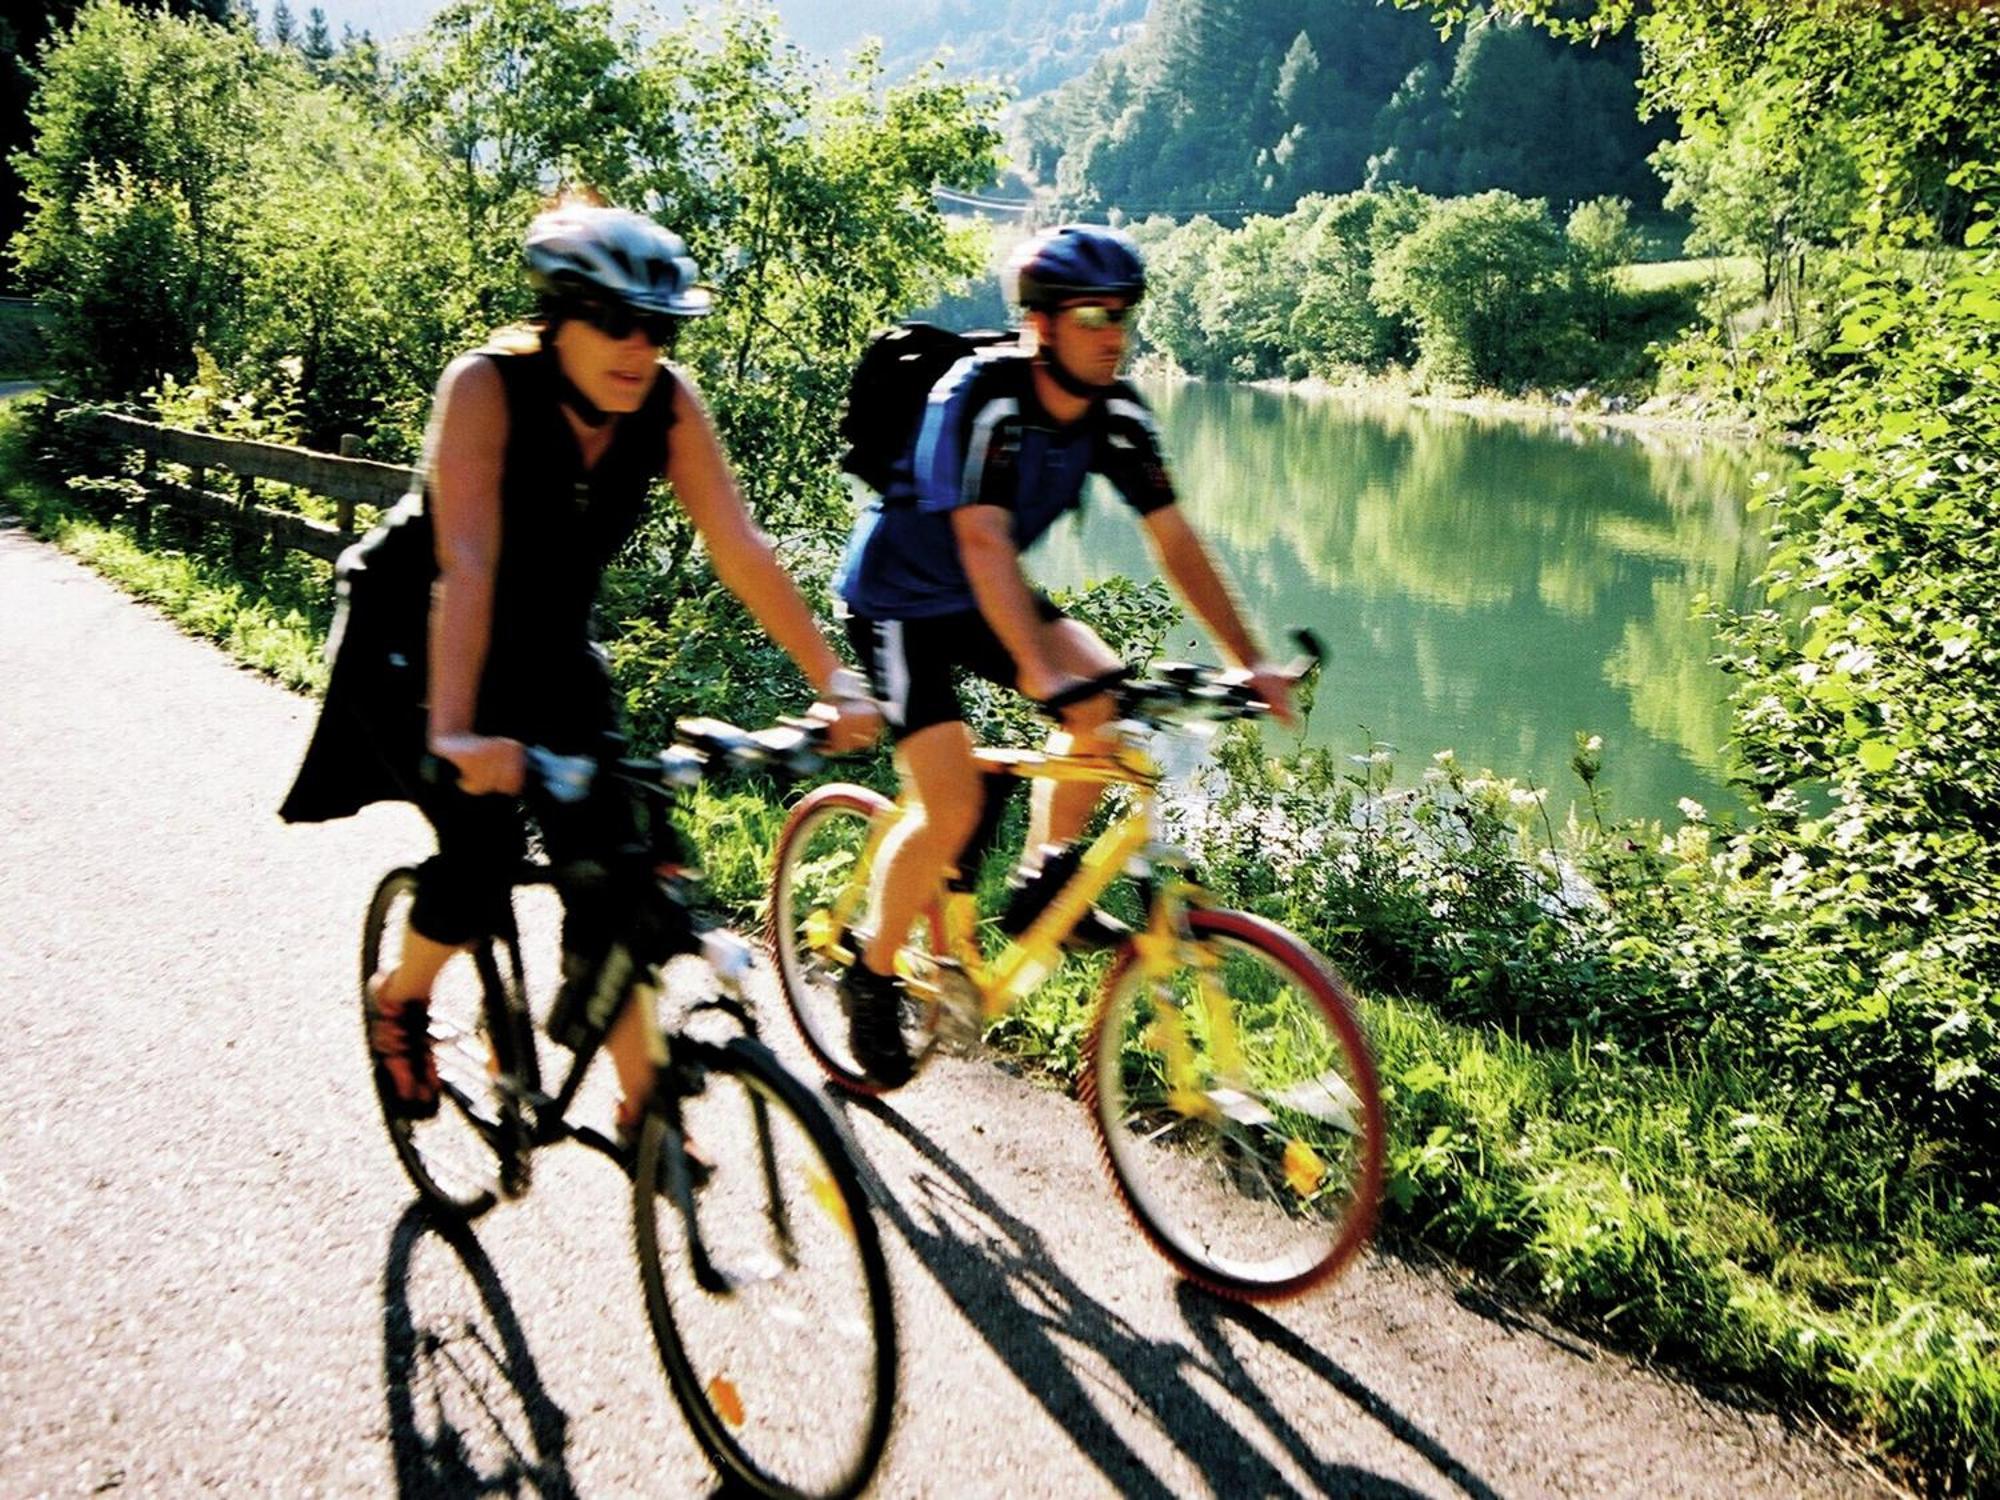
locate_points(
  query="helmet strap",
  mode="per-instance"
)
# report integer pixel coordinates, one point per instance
(587, 411)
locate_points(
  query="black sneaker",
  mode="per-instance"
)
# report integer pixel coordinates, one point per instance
(1029, 896)
(874, 1005)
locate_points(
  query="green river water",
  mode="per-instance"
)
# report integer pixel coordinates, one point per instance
(1484, 584)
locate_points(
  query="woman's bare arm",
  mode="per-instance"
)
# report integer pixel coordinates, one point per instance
(467, 450)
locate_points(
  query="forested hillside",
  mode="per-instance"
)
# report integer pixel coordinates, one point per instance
(1031, 44)
(1254, 103)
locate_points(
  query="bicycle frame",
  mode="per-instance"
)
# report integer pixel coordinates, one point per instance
(1004, 979)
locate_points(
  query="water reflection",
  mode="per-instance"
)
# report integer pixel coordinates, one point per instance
(1484, 585)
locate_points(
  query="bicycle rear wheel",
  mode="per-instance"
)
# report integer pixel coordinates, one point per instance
(455, 1157)
(1237, 1108)
(764, 1276)
(819, 883)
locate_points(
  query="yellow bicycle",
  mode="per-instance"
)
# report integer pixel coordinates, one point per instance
(1234, 1095)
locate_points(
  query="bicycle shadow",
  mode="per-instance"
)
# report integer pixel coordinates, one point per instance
(1002, 1278)
(1206, 1314)
(468, 1414)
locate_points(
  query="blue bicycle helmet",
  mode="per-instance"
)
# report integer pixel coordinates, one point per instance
(1077, 260)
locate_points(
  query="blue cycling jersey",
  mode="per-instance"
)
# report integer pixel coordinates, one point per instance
(986, 440)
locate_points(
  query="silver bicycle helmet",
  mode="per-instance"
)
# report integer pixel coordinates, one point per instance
(580, 249)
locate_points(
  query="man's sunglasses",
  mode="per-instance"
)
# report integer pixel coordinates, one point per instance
(616, 321)
(1095, 315)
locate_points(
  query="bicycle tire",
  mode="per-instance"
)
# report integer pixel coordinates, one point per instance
(787, 1376)
(454, 1158)
(1264, 1179)
(818, 858)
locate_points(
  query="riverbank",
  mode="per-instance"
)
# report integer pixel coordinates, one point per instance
(1584, 410)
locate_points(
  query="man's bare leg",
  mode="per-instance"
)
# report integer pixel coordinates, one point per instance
(945, 793)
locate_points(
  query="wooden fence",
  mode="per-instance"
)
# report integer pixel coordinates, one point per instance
(345, 481)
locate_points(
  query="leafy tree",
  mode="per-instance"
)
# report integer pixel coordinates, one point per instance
(26, 26)
(1247, 295)
(1482, 279)
(1601, 239)
(143, 127)
(1336, 324)
(1754, 183)
(1170, 319)
(509, 96)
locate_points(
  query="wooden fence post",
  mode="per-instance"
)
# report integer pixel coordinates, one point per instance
(142, 511)
(191, 520)
(350, 447)
(249, 538)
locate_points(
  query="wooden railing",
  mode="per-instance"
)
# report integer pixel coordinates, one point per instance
(346, 481)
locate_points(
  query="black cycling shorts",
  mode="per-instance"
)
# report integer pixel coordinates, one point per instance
(913, 665)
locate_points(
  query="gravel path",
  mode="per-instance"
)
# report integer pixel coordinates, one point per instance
(212, 1278)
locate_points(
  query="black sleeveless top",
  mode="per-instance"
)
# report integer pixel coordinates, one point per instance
(545, 681)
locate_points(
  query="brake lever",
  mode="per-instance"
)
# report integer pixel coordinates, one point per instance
(1312, 649)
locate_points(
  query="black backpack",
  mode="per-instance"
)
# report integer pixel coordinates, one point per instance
(885, 399)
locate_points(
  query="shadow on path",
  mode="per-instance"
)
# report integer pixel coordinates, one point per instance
(467, 1411)
(1038, 1320)
(1206, 1315)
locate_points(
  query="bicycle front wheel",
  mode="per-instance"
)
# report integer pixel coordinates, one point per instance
(1237, 1107)
(764, 1276)
(819, 891)
(454, 1158)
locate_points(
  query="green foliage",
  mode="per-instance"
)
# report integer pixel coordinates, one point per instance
(1226, 105)
(144, 127)
(1600, 238)
(1865, 720)
(1483, 280)
(1481, 292)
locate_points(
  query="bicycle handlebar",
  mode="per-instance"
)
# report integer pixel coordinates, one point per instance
(1186, 690)
(702, 747)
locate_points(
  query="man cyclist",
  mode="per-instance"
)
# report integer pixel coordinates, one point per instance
(464, 627)
(932, 586)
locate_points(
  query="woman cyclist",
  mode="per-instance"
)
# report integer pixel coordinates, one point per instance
(463, 632)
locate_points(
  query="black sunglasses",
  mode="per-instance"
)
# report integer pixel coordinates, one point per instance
(616, 321)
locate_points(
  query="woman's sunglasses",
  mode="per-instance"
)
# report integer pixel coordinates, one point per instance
(616, 321)
(1095, 315)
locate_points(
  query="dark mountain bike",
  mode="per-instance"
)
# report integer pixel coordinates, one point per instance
(762, 1269)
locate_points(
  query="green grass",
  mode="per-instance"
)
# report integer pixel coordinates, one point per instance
(1653, 276)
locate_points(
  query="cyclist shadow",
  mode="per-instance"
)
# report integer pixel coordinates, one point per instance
(1206, 1316)
(1002, 1278)
(468, 1414)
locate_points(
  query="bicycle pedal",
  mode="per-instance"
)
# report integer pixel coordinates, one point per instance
(961, 1019)
(516, 1177)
